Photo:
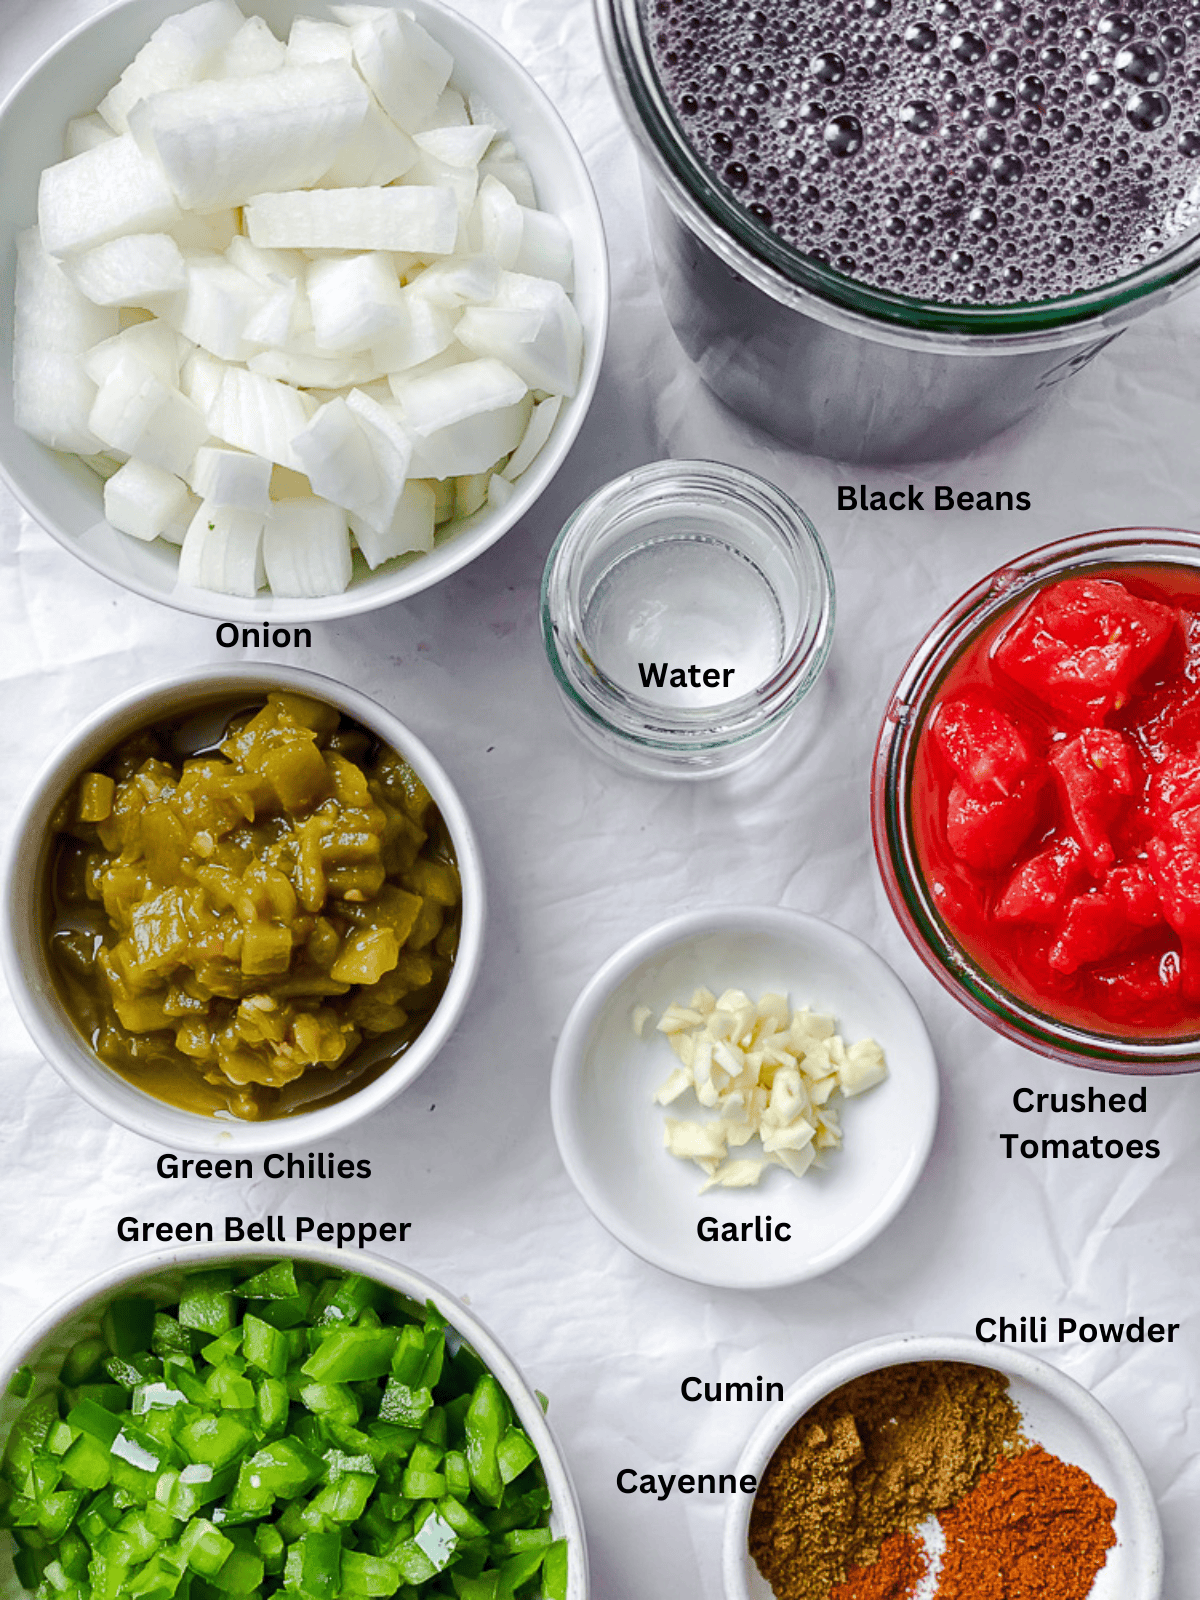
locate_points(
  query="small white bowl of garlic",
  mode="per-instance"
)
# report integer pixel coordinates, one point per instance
(371, 379)
(720, 1097)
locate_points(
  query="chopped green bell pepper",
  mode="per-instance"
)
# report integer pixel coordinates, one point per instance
(299, 1433)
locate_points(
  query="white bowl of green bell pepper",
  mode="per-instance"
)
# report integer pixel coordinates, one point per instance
(221, 1423)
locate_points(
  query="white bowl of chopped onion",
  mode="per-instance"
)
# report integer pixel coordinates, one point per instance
(386, 374)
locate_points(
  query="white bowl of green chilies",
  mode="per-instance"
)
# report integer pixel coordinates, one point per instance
(228, 1425)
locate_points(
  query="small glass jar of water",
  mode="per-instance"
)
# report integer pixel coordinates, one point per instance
(687, 609)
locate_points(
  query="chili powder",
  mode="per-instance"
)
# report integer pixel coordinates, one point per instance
(1034, 1528)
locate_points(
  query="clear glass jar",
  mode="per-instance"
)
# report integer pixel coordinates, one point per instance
(826, 362)
(892, 800)
(687, 609)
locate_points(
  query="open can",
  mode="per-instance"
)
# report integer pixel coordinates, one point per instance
(826, 363)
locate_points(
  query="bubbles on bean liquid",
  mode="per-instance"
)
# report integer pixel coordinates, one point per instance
(844, 135)
(918, 116)
(920, 36)
(1147, 110)
(1117, 28)
(991, 138)
(979, 151)
(968, 48)
(1140, 63)
(827, 67)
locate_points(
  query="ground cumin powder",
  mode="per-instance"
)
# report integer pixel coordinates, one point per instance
(875, 1457)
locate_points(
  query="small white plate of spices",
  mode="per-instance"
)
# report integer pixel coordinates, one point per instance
(611, 1130)
(1053, 1489)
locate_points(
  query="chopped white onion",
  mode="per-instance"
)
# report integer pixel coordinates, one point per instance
(306, 282)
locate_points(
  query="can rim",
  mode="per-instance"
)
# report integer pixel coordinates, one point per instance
(750, 248)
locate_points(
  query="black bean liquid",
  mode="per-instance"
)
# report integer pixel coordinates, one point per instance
(956, 152)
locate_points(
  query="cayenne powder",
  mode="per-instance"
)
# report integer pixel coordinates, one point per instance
(901, 1566)
(1034, 1528)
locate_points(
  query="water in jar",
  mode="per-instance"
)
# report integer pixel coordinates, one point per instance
(681, 602)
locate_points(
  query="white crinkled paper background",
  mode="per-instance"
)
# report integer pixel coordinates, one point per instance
(580, 857)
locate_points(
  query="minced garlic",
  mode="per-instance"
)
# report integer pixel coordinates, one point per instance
(769, 1071)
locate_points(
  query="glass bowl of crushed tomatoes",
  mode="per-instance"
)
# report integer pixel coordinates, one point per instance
(1036, 800)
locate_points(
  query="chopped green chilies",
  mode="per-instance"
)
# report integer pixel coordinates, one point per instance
(299, 1432)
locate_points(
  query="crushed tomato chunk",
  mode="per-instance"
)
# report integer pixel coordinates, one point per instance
(1059, 791)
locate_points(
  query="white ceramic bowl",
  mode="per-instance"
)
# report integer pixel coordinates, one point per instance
(160, 1273)
(1058, 1413)
(610, 1131)
(66, 497)
(23, 940)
